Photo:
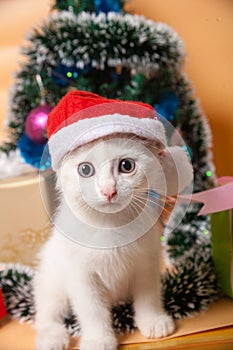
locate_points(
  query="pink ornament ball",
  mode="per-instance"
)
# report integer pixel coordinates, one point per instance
(35, 125)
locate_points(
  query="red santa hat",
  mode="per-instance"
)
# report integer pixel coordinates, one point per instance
(81, 117)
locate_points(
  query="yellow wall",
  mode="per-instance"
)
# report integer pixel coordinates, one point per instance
(206, 27)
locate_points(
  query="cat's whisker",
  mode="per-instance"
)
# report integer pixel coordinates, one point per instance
(142, 199)
(137, 208)
(139, 212)
(138, 203)
(153, 201)
(133, 206)
(147, 198)
(150, 199)
(160, 218)
(143, 204)
(146, 189)
(147, 192)
(168, 201)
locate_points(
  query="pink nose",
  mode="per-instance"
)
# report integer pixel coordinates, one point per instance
(110, 193)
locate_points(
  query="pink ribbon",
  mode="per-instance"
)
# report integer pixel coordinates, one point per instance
(216, 199)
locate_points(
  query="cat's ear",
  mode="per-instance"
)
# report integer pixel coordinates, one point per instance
(177, 169)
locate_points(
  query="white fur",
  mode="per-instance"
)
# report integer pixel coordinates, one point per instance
(177, 170)
(92, 280)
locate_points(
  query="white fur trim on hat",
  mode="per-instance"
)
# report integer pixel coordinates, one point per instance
(86, 130)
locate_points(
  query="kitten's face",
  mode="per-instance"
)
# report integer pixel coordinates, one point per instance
(109, 176)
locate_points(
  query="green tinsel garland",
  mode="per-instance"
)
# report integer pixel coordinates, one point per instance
(104, 42)
(186, 291)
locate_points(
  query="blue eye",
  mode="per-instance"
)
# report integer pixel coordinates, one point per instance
(126, 166)
(86, 169)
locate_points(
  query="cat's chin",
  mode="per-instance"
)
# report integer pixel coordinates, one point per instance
(109, 208)
(104, 214)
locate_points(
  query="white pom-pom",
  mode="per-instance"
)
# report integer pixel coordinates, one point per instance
(178, 170)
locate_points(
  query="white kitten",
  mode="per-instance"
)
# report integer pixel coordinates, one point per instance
(106, 195)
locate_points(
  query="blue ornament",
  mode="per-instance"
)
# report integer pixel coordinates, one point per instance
(188, 151)
(116, 74)
(106, 6)
(64, 75)
(45, 162)
(153, 197)
(168, 105)
(32, 152)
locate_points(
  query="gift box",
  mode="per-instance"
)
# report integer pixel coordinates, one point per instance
(218, 202)
(25, 220)
(2, 306)
(222, 246)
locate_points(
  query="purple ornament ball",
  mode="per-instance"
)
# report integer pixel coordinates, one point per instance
(35, 125)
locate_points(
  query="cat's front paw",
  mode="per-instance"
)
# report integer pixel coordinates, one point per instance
(54, 337)
(107, 342)
(156, 325)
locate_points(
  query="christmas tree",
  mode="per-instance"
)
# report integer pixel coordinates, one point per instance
(94, 45)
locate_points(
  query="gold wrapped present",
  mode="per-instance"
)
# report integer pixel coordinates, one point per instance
(24, 224)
